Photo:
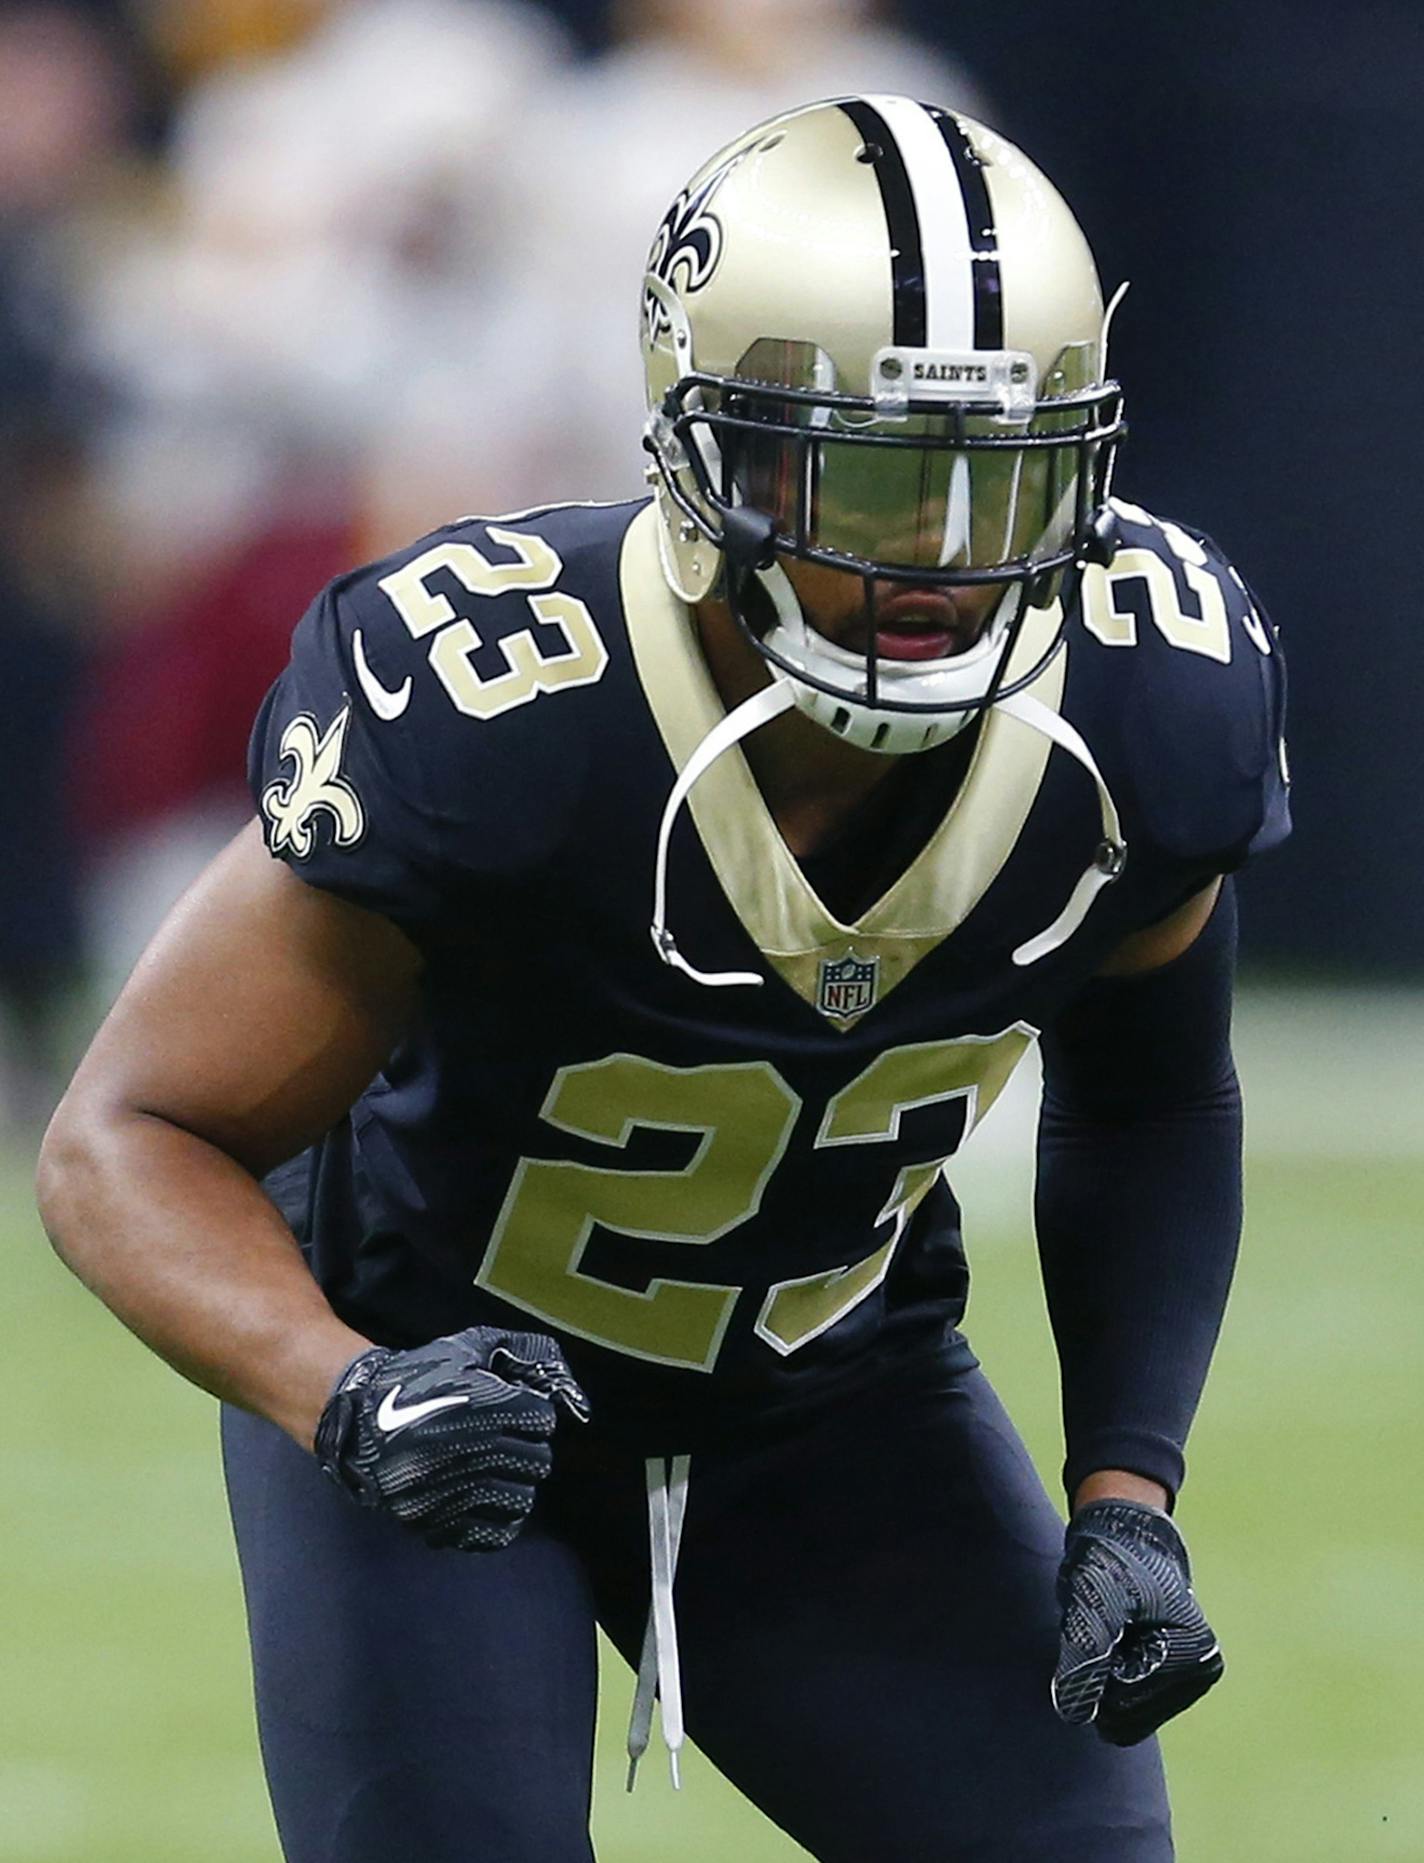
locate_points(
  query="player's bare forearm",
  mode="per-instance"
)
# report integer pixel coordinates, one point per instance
(181, 1243)
(253, 1021)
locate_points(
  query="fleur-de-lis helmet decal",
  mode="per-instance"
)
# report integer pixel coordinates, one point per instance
(688, 245)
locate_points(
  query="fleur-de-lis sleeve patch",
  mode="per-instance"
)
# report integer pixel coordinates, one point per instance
(315, 788)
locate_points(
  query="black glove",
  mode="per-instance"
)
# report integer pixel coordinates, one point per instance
(452, 1437)
(1135, 1647)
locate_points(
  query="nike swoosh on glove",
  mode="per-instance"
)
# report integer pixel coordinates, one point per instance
(1135, 1647)
(451, 1438)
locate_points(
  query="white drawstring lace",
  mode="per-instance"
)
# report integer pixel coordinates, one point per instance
(659, 1674)
(770, 702)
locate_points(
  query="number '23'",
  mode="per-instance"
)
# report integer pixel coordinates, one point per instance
(743, 1115)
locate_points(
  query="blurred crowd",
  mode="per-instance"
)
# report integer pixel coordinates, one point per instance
(284, 283)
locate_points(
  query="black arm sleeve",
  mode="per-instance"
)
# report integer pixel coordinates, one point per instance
(1138, 1202)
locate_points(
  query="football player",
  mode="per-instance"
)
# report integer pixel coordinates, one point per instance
(626, 1284)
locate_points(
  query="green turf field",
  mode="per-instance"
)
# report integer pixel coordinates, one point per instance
(125, 1730)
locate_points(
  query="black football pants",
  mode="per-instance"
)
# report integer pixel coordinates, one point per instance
(866, 1624)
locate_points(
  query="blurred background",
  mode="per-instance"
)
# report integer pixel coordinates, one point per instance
(284, 283)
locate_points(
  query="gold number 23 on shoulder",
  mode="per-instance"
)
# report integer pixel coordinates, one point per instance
(1208, 632)
(528, 669)
(742, 1115)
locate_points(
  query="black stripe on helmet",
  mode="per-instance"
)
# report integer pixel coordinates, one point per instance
(983, 235)
(907, 260)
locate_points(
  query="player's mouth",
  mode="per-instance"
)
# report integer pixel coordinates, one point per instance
(922, 624)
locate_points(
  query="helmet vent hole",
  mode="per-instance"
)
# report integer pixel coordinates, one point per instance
(882, 731)
(840, 722)
(772, 142)
(869, 152)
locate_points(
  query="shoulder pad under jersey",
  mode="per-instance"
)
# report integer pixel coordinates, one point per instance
(413, 742)
(1189, 693)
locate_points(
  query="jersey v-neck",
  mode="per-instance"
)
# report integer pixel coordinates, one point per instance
(773, 896)
(862, 857)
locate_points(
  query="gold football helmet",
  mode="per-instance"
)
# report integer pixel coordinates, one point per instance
(874, 338)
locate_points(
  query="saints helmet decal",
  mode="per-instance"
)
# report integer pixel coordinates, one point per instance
(687, 246)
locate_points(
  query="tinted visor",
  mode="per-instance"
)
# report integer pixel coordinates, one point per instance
(944, 489)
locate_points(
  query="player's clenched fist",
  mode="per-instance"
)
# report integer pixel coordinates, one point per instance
(451, 1438)
(1136, 1648)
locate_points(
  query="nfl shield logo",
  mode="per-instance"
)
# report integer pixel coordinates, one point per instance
(847, 988)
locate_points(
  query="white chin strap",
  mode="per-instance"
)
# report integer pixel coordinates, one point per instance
(747, 717)
(780, 696)
(1111, 851)
(949, 688)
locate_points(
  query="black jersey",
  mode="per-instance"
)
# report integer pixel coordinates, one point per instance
(724, 1201)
